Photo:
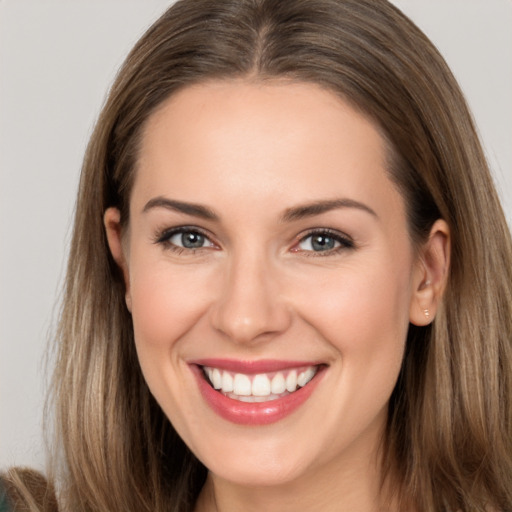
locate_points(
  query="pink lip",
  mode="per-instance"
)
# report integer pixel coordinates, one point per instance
(257, 413)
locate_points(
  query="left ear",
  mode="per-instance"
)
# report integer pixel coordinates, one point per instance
(112, 222)
(431, 275)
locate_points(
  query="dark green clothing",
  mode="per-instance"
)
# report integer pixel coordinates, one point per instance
(4, 506)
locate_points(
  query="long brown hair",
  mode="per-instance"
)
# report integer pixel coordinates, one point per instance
(449, 433)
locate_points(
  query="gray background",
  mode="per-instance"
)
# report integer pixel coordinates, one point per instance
(57, 59)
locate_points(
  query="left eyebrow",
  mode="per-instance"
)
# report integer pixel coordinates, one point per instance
(319, 207)
(193, 209)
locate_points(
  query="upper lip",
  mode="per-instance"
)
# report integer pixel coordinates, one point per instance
(252, 367)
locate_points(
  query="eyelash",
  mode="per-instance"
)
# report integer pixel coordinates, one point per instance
(345, 242)
(164, 237)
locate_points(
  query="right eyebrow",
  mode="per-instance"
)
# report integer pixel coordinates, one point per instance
(319, 207)
(194, 209)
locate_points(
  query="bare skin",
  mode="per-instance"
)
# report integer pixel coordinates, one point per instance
(228, 255)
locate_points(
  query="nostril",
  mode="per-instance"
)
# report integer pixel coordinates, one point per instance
(250, 323)
(248, 307)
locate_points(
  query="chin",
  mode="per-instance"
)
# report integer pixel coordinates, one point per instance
(259, 462)
(257, 474)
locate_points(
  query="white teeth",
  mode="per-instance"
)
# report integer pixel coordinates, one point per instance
(305, 376)
(242, 385)
(227, 382)
(249, 399)
(278, 384)
(216, 379)
(260, 385)
(252, 399)
(291, 381)
(258, 388)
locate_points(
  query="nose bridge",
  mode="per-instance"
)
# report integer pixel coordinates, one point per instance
(250, 306)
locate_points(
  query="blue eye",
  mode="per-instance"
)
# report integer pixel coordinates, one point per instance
(184, 238)
(324, 241)
(188, 240)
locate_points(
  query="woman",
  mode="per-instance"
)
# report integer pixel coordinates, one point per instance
(288, 244)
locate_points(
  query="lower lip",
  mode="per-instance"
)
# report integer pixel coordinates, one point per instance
(254, 413)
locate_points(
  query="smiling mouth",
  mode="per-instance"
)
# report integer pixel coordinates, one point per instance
(260, 387)
(256, 393)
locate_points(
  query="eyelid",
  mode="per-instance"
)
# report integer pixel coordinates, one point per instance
(164, 235)
(346, 242)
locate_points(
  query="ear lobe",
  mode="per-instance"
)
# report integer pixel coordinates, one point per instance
(112, 223)
(431, 276)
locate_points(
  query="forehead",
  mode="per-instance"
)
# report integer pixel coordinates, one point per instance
(293, 142)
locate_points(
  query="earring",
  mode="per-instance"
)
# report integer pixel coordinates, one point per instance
(427, 313)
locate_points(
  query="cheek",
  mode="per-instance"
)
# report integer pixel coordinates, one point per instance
(362, 314)
(166, 303)
(362, 300)
(362, 311)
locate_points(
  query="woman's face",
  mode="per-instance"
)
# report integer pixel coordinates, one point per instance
(268, 256)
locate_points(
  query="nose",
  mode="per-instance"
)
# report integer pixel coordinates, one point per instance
(250, 306)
